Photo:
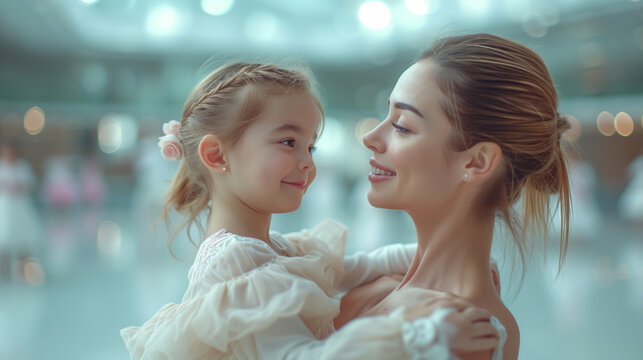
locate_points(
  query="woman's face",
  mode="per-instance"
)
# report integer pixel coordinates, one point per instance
(413, 164)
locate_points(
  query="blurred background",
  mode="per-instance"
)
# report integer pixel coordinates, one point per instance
(85, 86)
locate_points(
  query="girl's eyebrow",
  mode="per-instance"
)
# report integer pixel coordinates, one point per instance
(291, 127)
(405, 106)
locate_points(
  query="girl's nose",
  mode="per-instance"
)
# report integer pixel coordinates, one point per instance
(307, 162)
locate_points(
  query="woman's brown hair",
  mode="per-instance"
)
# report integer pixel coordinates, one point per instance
(500, 91)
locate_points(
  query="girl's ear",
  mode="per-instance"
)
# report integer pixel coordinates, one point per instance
(482, 161)
(211, 153)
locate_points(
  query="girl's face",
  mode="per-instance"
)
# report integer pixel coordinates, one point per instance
(413, 163)
(271, 165)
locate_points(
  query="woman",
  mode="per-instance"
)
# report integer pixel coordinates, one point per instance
(472, 126)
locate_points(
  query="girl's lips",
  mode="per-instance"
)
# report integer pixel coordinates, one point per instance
(298, 185)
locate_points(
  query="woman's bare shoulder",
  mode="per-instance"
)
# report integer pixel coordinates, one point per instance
(510, 350)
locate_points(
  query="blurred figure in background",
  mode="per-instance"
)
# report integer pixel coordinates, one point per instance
(631, 201)
(93, 188)
(61, 195)
(19, 221)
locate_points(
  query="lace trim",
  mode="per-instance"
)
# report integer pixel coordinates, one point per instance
(213, 245)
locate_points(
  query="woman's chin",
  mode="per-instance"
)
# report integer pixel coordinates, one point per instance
(378, 201)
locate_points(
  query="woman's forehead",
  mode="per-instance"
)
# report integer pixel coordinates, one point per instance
(418, 86)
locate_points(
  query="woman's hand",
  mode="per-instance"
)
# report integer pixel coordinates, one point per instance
(471, 328)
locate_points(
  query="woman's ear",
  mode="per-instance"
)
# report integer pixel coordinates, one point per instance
(211, 153)
(482, 161)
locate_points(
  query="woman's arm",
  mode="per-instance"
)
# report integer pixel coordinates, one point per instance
(452, 326)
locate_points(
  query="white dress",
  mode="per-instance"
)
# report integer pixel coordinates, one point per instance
(247, 300)
(19, 223)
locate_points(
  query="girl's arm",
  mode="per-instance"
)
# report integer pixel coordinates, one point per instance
(364, 267)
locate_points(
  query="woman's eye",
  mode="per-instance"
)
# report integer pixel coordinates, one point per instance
(288, 142)
(400, 129)
(312, 149)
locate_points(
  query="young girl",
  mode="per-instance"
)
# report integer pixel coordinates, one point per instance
(245, 143)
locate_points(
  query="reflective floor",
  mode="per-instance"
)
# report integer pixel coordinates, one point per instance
(91, 283)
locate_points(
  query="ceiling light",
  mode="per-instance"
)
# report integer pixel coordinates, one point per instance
(162, 21)
(418, 7)
(216, 7)
(374, 15)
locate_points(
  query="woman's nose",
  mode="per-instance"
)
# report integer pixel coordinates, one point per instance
(373, 141)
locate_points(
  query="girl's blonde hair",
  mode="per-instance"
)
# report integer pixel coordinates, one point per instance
(225, 103)
(500, 91)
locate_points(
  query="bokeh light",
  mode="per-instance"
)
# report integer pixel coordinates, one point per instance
(364, 126)
(34, 120)
(534, 24)
(216, 7)
(116, 132)
(109, 238)
(623, 124)
(34, 274)
(110, 135)
(605, 123)
(374, 15)
(418, 7)
(576, 129)
(474, 8)
(262, 27)
(162, 21)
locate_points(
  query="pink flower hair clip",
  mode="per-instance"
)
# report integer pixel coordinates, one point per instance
(170, 145)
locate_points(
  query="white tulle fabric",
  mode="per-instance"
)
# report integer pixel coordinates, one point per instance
(248, 300)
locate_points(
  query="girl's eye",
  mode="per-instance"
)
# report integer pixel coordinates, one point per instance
(312, 149)
(288, 142)
(400, 129)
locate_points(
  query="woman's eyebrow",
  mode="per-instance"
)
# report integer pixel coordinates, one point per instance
(405, 106)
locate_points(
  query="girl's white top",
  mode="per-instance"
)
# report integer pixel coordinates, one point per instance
(248, 300)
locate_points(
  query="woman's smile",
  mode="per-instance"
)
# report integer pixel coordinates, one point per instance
(379, 172)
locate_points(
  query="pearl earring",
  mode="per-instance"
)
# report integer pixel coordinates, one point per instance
(224, 169)
(466, 176)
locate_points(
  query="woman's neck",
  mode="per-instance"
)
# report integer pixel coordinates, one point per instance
(238, 218)
(453, 255)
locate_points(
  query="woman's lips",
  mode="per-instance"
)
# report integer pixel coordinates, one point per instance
(379, 172)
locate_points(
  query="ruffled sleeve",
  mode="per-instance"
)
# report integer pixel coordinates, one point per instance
(243, 289)
(328, 239)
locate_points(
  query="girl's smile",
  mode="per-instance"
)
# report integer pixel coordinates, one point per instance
(301, 185)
